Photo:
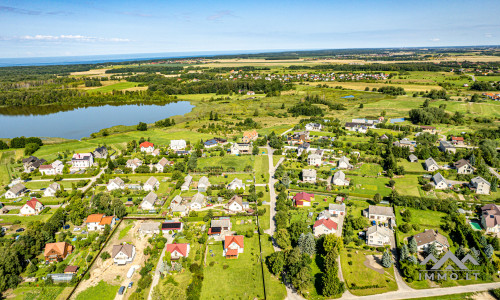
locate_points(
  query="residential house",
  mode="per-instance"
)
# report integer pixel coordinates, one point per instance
(235, 204)
(378, 236)
(148, 202)
(116, 184)
(52, 169)
(81, 161)
(446, 146)
(179, 210)
(428, 129)
(187, 183)
(147, 147)
(162, 164)
(236, 184)
(480, 185)
(220, 226)
(457, 140)
(383, 137)
(381, 214)
(99, 221)
(241, 148)
(31, 208)
(203, 184)
(339, 179)
(170, 225)
(325, 214)
(178, 144)
(52, 190)
(197, 202)
(152, 184)
(490, 218)
(210, 143)
(249, 136)
(32, 163)
(148, 228)
(303, 147)
(431, 165)
(123, 254)
(336, 209)
(428, 237)
(439, 182)
(233, 246)
(309, 175)
(156, 152)
(15, 191)
(178, 250)
(343, 163)
(302, 199)
(406, 143)
(56, 252)
(298, 137)
(314, 127)
(134, 163)
(324, 226)
(71, 270)
(220, 141)
(314, 159)
(413, 158)
(463, 166)
(101, 152)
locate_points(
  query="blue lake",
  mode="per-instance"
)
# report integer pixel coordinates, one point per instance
(77, 122)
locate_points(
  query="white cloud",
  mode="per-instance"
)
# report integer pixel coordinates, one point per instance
(488, 35)
(435, 40)
(70, 37)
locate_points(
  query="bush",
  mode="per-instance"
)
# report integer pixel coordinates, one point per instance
(212, 263)
(105, 255)
(225, 266)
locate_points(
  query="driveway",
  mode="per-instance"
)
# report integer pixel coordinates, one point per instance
(156, 276)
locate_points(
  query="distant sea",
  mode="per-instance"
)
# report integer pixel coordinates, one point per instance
(95, 59)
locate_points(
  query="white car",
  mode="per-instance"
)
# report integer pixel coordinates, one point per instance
(76, 229)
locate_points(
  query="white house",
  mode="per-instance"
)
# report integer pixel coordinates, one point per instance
(203, 184)
(233, 245)
(309, 175)
(197, 202)
(147, 147)
(160, 166)
(378, 236)
(431, 165)
(178, 250)
(52, 190)
(148, 202)
(382, 214)
(439, 181)
(235, 204)
(134, 163)
(15, 191)
(428, 237)
(177, 144)
(336, 209)
(116, 184)
(339, 179)
(52, 169)
(463, 166)
(324, 226)
(81, 161)
(31, 208)
(236, 184)
(343, 163)
(149, 228)
(480, 185)
(152, 184)
(314, 127)
(187, 183)
(314, 159)
(99, 221)
(241, 148)
(123, 254)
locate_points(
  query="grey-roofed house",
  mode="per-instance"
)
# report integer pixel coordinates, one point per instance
(383, 214)
(325, 214)
(336, 209)
(314, 159)
(428, 237)
(413, 158)
(309, 175)
(123, 254)
(197, 202)
(480, 185)
(149, 228)
(101, 152)
(115, 184)
(152, 184)
(203, 184)
(463, 166)
(339, 179)
(16, 190)
(187, 183)
(431, 165)
(179, 209)
(148, 202)
(236, 184)
(439, 181)
(378, 236)
(446, 146)
(343, 163)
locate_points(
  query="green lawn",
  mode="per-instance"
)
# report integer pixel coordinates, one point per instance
(357, 274)
(114, 87)
(261, 169)
(407, 185)
(228, 161)
(102, 291)
(39, 293)
(274, 288)
(124, 231)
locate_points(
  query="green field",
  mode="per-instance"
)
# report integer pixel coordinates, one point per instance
(102, 291)
(114, 87)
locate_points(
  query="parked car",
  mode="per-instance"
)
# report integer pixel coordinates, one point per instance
(66, 227)
(76, 229)
(121, 290)
(20, 230)
(130, 284)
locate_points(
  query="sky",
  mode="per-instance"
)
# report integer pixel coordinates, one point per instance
(45, 28)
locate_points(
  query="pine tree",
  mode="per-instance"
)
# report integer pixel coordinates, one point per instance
(488, 250)
(386, 260)
(472, 159)
(211, 116)
(460, 253)
(494, 184)
(404, 252)
(307, 244)
(412, 246)
(412, 259)
(431, 249)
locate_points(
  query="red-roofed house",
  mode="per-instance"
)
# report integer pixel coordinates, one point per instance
(233, 245)
(302, 199)
(178, 250)
(32, 207)
(457, 140)
(147, 147)
(99, 221)
(324, 226)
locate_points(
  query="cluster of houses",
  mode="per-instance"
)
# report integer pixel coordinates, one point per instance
(306, 77)
(362, 125)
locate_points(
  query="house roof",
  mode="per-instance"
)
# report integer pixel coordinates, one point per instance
(309, 173)
(324, 214)
(204, 181)
(457, 138)
(126, 248)
(198, 198)
(476, 180)
(413, 157)
(152, 181)
(210, 142)
(303, 196)
(71, 269)
(236, 182)
(461, 163)
(151, 198)
(229, 239)
(380, 229)
(163, 162)
(430, 161)
(232, 252)
(118, 181)
(171, 225)
(57, 247)
(220, 223)
(437, 178)
(429, 236)
(381, 210)
(236, 199)
(94, 218)
(336, 207)
(33, 202)
(45, 167)
(427, 127)
(146, 144)
(17, 188)
(181, 248)
(177, 200)
(328, 223)
(54, 186)
(106, 220)
(491, 215)
(150, 226)
(339, 175)
(250, 134)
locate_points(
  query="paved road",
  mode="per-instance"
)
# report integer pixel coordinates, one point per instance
(287, 131)
(492, 171)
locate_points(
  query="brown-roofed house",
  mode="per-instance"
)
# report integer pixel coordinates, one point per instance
(249, 136)
(71, 269)
(57, 251)
(123, 254)
(428, 237)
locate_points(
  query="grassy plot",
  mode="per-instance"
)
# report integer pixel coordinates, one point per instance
(39, 293)
(102, 291)
(274, 288)
(228, 161)
(114, 87)
(407, 185)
